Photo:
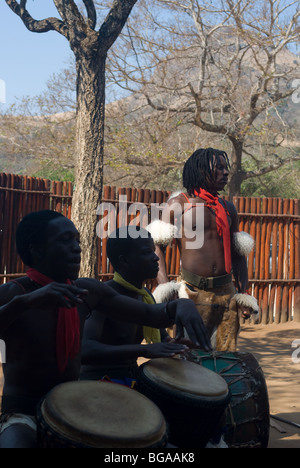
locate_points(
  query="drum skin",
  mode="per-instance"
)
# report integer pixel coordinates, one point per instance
(248, 414)
(192, 399)
(99, 415)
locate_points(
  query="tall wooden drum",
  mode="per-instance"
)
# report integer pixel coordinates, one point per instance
(248, 414)
(192, 398)
(99, 415)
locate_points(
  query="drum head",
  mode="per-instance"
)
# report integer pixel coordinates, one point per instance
(186, 378)
(103, 415)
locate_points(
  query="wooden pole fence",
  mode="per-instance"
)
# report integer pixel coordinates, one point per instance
(273, 265)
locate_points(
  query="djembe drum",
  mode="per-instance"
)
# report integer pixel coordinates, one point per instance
(192, 398)
(99, 415)
(248, 414)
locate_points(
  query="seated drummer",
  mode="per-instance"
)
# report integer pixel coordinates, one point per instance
(42, 317)
(110, 347)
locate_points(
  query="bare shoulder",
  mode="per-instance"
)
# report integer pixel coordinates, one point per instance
(8, 291)
(176, 204)
(178, 197)
(233, 215)
(231, 208)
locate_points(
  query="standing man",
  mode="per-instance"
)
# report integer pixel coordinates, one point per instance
(207, 266)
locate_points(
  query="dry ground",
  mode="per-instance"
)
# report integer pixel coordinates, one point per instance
(272, 346)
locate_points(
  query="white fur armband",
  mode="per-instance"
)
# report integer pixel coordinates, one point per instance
(243, 243)
(245, 300)
(162, 233)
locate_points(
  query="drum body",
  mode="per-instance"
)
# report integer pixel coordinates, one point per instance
(192, 399)
(99, 415)
(248, 414)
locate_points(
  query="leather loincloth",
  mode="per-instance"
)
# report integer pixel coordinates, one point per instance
(219, 312)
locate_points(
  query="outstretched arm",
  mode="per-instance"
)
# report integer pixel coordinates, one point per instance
(13, 302)
(94, 352)
(99, 349)
(182, 312)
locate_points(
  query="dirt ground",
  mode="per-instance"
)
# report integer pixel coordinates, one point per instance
(272, 347)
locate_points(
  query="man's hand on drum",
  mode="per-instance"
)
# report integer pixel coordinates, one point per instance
(189, 318)
(165, 349)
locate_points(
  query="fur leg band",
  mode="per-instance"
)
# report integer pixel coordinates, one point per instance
(245, 300)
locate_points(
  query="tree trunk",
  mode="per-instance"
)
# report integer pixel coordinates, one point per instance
(89, 152)
(237, 175)
(90, 48)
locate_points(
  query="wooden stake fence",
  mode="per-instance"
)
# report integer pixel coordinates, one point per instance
(273, 266)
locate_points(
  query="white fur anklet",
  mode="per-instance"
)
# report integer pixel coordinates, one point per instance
(245, 300)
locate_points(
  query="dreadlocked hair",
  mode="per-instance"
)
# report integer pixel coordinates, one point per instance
(198, 169)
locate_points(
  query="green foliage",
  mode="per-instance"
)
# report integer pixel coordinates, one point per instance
(55, 172)
(283, 183)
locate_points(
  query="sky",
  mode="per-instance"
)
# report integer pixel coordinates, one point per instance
(27, 60)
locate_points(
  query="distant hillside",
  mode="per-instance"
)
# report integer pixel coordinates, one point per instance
(142, 147)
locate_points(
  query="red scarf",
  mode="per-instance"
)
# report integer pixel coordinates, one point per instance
(68, 325)
(223, 228)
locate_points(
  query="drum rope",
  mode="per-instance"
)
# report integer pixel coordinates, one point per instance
(232, 421)
(247, 414)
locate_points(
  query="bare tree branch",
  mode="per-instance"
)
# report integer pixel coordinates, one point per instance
(226, 62)
(198, 116)
(38, 26)
(91, 12)
(114, 22)
(271, 167)
(71, 16)
(90, 48)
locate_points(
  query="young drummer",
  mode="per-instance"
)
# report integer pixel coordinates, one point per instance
(111, 347)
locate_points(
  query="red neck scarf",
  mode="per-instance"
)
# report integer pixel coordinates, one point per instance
(223, 228)
(68, 326)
